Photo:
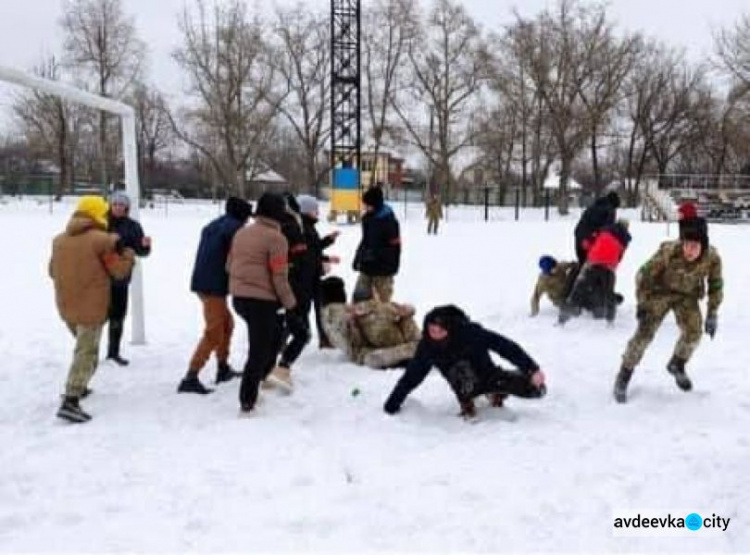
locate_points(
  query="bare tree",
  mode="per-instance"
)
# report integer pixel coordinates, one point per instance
(101, 42)
(51, 124)
(154, 129)
(733, 48)
(301, 56)
(389, 27)
(563, 59)
(449, 64)
(233, 105)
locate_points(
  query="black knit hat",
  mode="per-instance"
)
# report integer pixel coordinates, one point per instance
(332, 291)
(694, 229)
(373, 197)
(271, 205)
(238, 208)
(613, 199)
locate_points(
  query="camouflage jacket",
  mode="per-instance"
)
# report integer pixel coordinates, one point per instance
(434, 210)
(358, 330)
(668, 273)
(554, 285)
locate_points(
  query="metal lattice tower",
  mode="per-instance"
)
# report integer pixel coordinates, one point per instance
(345, 83)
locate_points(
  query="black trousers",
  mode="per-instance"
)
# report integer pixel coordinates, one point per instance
(466, 384)
(300, 334)
(264, 328)
(594, 290)
(118, 309)
(322, 337)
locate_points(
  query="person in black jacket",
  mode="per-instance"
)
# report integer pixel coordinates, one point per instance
(460, 349)
(317, 246)
(210, 282)
(131, 236)
(296, 328)
(379, 253)
(600, 214)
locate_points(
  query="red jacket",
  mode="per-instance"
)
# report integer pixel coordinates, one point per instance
(608, 247)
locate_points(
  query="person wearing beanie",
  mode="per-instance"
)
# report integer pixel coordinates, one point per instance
(210, 282)
(295, 334)
(319, 261)
(460, 350)
(259, 283)
(84, 260)
(594, 287)
(379, 252)
(370, 333)
(131, 236)
(552, 281)
(687, 211)
(600, 214)
(675, 279)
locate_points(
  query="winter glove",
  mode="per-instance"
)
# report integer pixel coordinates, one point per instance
(711, 325)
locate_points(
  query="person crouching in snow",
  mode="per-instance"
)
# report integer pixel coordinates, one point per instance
(460, 349)
(370, 332)
(675, 279)
(594, 288)
(84, 260)
(553, 281)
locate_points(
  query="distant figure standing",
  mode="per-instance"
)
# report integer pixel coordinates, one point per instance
(379, 252)
(434, 214)
(131, 236)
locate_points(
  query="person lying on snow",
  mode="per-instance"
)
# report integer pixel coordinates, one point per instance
(594, 288)
(460, 349)
(370, 332)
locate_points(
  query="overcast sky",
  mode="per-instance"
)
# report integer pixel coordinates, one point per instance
(30, 28)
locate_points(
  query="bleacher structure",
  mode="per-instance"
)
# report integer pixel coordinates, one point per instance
(719, 198)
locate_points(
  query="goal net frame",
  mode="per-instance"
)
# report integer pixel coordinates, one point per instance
(130, 159)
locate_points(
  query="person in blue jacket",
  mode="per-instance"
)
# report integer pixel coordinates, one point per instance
(210, 282)
(132, 237)
(460, 349)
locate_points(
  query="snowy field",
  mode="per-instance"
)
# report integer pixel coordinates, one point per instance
(326, 470)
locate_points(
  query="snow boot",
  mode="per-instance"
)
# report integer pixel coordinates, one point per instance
(621, 384)
(225, 373)
(115, 338)
(497, 399)
(676, 367)
(191, 384)
(281, 377)
(468, 410)
(71, 411)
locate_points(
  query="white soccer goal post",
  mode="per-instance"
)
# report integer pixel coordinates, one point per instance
(129, 154)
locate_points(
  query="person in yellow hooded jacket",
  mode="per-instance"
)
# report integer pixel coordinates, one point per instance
(84, 259)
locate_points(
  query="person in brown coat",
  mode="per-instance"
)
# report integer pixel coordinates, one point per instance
(433, 213)
(84, 260)
(259, 284)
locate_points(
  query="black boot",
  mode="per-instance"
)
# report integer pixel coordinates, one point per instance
(621, 384)
(676, 367)
(224, 373)
(115, 338)
(71, 411)
(191, 384)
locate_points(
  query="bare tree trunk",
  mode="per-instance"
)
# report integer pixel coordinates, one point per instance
(103, 151)
(595, 162)
(562, 201)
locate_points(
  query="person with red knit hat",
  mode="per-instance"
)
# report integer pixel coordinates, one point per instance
(594, 288)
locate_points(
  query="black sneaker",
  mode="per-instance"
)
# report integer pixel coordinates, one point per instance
(71, 411)
(621, 384)
(193, 385)
(225, 373)
(117, 359)
(676, 367)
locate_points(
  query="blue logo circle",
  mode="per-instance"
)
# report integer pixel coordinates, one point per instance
(694, 521)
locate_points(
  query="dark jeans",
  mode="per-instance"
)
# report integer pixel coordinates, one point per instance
(118, 309)
(300, 334)
(264, 328)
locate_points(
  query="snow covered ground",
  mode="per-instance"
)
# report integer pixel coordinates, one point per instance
(326, 470)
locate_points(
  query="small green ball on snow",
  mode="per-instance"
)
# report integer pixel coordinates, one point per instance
(355, 392)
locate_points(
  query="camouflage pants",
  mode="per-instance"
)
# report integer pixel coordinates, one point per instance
(382, 286)
(432, 225)
(389, 357)
(689, 319)
(85, 358)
